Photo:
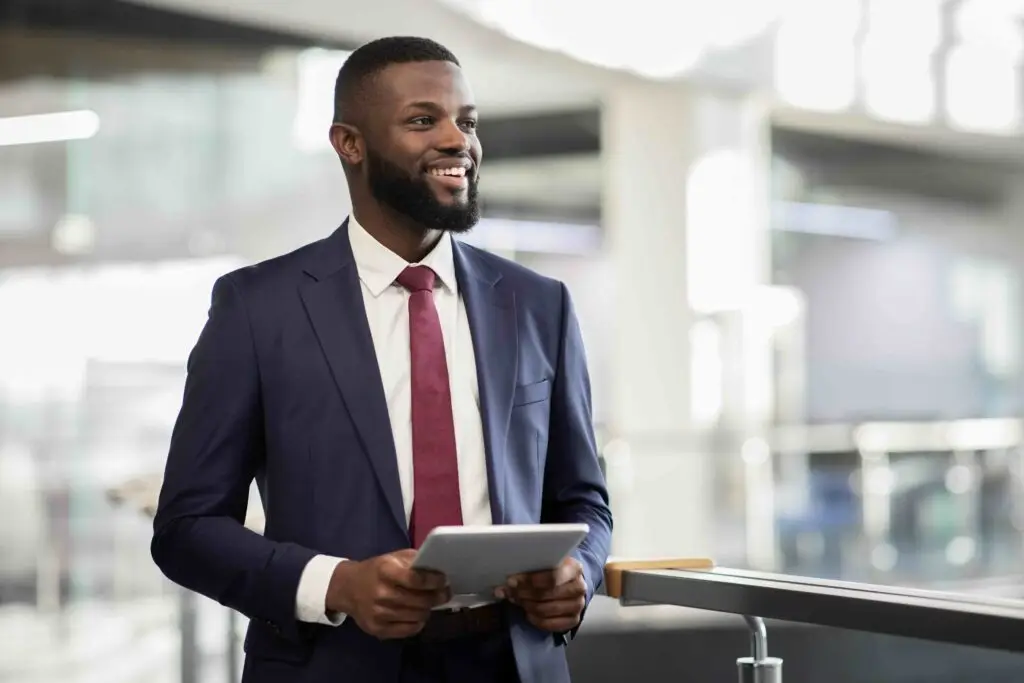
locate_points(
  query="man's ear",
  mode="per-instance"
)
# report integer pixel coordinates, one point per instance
(348, 142)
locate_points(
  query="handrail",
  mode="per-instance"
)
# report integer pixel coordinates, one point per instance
(994, 623)
(890, 436)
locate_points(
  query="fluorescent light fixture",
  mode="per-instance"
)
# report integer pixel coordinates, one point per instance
(56, 127)
(834, 221)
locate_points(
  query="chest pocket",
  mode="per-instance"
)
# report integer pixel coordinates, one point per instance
(535, 392)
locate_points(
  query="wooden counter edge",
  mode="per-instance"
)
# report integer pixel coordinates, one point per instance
(613, 570)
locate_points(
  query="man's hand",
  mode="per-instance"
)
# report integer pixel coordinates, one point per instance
(385, 595)
(553, 600)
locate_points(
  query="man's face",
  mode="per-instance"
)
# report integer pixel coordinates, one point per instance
(422, 152)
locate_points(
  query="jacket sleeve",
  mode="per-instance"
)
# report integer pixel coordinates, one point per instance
(574, 486)
(217, 447)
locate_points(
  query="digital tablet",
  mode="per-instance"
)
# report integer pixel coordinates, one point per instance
(478, 559)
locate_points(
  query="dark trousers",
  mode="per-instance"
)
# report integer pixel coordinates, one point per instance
(486, 658)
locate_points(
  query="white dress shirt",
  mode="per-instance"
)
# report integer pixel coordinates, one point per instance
(387, 312)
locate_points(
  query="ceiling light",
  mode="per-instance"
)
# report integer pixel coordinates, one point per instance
(650, 40)
(56, 127)
(74, 235)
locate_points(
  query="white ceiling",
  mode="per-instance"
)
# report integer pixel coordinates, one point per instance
(511, 76)
(508, 76)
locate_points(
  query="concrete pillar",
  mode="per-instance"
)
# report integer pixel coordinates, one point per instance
(685, 212)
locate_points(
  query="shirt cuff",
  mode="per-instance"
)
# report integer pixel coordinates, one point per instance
(311, 600)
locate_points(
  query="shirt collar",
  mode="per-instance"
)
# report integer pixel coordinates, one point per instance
(379, 267)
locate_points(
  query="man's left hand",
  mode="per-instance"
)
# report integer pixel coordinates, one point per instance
(553, 600)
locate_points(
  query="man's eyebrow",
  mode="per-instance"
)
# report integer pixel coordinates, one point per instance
(434, 106)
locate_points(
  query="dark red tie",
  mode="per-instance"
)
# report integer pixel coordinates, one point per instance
(436, 500)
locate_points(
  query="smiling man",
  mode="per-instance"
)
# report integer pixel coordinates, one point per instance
(377, 384)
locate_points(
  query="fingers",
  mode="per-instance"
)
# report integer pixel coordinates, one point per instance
(398, 597)
(554, 625)
(387, 623)
(576, 588)
(555, 614)
(422, 580)
(398, 612)
(557, 611)
(554, 600)
(398, 602)
(540, 580)
(399, 615)
(403, 587)
(384, 619)
(404, 557)
(554, 609)
(565, 573)
(399, 573)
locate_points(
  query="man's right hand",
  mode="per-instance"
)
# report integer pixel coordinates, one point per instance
(385, 595)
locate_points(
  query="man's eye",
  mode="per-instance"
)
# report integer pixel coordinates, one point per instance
(422, 121)
(470, 124)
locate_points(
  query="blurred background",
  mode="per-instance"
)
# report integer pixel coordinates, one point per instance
(794, 232)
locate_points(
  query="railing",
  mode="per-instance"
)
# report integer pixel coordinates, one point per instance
(994, 623)
(758, 595)
(775, 463)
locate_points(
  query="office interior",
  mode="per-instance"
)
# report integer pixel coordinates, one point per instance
(793, 231)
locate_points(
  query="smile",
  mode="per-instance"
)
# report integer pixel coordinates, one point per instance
(450, 178)
(454, 172)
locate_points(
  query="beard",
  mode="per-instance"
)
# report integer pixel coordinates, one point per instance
(414, 198)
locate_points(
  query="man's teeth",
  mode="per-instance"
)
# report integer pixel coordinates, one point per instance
(457, 171)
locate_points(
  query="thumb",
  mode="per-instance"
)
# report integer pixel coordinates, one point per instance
(404, 557)
(567, 571)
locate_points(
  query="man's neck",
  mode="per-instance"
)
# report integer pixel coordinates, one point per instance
(397, 232)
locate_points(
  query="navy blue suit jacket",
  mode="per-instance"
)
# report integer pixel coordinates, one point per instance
(283, 387)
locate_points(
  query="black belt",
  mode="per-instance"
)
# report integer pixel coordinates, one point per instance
(474, 621)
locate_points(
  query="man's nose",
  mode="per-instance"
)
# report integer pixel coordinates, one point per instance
(452, 138)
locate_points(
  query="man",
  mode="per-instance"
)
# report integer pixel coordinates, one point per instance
(376, 384)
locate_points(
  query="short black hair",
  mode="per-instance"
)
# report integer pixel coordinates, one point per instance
(372, 58)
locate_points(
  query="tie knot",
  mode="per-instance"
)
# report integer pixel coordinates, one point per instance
(417, 279)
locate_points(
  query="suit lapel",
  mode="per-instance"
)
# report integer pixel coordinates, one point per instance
(334, 302)
(490, 307)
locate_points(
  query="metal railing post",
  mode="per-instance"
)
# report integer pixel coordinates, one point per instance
(188, 605)
(234, 670)
(759, 667)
